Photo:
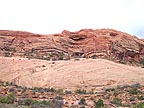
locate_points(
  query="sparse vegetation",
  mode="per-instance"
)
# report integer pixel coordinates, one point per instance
(94, 57)
(9, 99)
(82, 101)
(77, 59)
(38, 104)
(109, 89)
(140, 105)
(133, 91)
(81, 91)
(117, 101)
(140, 97)
(26, 102)
(99, 103)
(7, 54)
(142, 62)
(56, 98)
(68, 92)
(9, 51)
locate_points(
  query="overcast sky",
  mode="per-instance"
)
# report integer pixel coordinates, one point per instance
(53, 16)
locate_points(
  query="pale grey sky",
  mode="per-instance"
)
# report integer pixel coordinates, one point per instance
(53, 16)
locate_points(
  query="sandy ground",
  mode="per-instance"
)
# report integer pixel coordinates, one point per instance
(74, 74)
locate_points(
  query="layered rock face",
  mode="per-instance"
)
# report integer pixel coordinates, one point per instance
(99, 43)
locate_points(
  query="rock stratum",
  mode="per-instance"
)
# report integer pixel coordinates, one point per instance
(89, 74)
(100, 43)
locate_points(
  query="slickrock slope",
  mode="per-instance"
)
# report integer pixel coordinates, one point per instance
(99, 43)
(72, 74)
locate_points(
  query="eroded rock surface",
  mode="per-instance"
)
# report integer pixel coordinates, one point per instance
(99, 43)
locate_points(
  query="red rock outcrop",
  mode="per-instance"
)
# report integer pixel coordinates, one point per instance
(99, 43)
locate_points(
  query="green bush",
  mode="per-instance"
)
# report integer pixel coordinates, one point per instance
(7, 54)
(133, 91)
(28, 102)
(99, 103)
(140, 97)
(7, 83)
(117, 101)
(82, 101)
(44, 102)
(36, 104)
(9, 99)
(140, 105)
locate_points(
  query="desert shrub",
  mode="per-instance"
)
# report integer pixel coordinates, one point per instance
(142, 62)
(58, 98)
(68, 92)
(137, 85)
(133, 91)
(80, 91)
(90, 92)
(94, 57)
(59, 91)
(7, 48)
(52, 90)
(9, 99)
(117, 92)
(7, 83)
(122, 62)
(140, 105)
(41, 104)
(53, 103)
(61, 56)
(82, 101)
(44, 102)
(7, 54)
(34, 103)
(99, 103)
(14, 50)
(121, 87)
(77, 59)
(117, 101)
(41, 90)
(27, 102)
(109, 89)
(56, 103)
(140, 97)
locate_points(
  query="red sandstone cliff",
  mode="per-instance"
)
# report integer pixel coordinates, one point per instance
(99, 43)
